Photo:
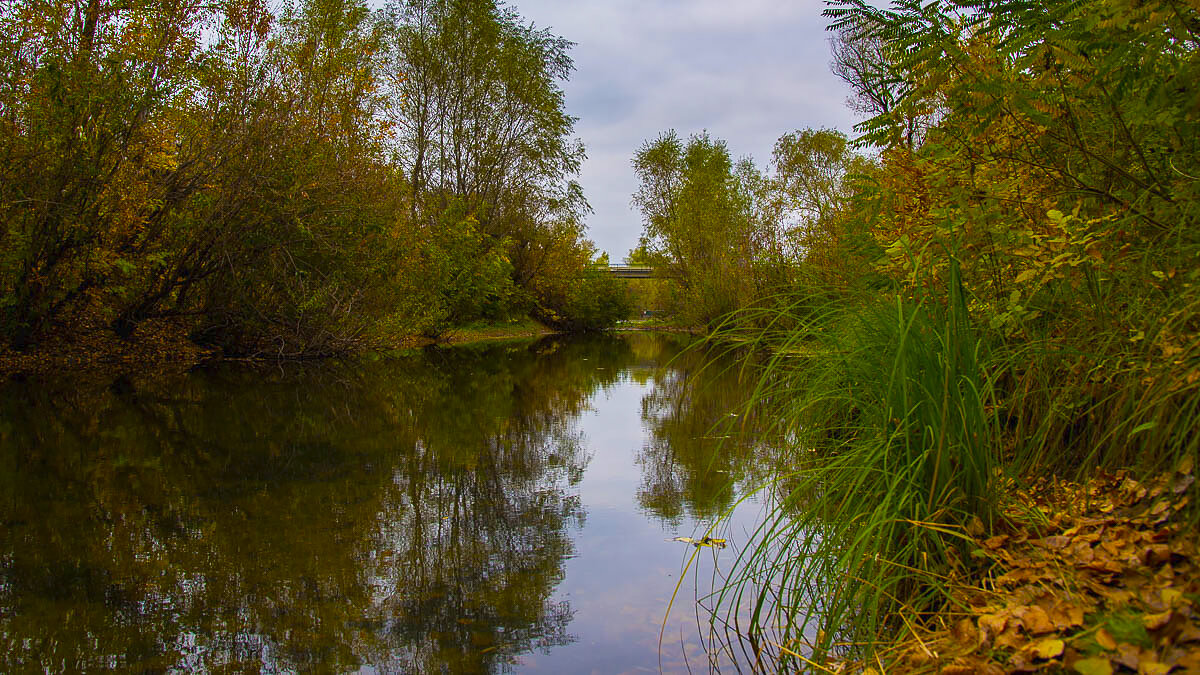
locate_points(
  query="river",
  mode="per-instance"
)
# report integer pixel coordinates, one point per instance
(490, 508)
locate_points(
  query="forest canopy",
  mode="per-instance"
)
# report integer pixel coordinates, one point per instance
(308, 178)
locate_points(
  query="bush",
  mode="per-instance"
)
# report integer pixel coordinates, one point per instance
(594, 301)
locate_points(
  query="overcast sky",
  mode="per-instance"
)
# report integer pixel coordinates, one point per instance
(747, 71)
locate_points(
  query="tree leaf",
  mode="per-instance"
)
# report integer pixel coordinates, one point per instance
(1097, 665)
(1048, 649)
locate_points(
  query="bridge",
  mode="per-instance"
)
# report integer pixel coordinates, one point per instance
(631, 271)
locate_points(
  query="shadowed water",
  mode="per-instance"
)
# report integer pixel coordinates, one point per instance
(482, 509)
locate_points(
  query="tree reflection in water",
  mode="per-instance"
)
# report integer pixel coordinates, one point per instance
(404, 515)
(696, 451)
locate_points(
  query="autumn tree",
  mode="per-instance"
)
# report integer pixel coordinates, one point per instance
(1058, 188)
(481, 121)
(698, 220)
(91, 162)
(305, 179)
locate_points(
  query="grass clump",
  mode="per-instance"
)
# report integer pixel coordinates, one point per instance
(889, 407)
(913, 433)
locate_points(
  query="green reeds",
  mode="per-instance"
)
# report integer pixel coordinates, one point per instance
(893, 467)
(901, 413)
(1073, 400)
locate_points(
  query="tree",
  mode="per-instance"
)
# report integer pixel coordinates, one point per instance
(812, 170)
(1057, 190)
(698, 220)
(481, 123)
(91, 162)
(179, 159)
(861, 60)
(480, 114)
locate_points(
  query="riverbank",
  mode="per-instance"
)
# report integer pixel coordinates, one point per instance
(157, 344)
(931, 501)
(485, 331)
(163, 344)
(658, 325)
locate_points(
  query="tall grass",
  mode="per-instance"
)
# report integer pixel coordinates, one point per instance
(903, 413)
(893, 418)
(1124, 393)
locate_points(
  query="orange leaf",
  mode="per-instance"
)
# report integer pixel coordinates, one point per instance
(1035, 620)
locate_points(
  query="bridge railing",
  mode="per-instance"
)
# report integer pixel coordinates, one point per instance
(631, 271)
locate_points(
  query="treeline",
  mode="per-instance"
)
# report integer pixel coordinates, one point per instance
(1001, 278)
(1031, 169)
(301, 180)
(729, 233)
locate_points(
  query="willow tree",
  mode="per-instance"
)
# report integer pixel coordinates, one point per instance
(481, 115)
(481, 127)
(699, 222)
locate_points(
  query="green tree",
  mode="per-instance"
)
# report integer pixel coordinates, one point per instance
(698, 221)
(90, 160)
(811, 189)
(316, 239)
(480, 119)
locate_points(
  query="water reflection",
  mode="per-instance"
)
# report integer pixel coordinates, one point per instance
(701, 437)
(401, 515)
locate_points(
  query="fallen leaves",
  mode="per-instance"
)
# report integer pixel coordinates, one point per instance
(1095, 579)
(1096, 665)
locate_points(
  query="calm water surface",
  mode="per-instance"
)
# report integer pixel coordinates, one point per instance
(481, 509)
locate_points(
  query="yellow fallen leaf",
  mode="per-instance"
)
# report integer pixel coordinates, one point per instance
(1153, 668)
(1065, 616)
(1011, 638)
(1097, 665)
(1106, 640)
(966, 633)
(1156, 621)
(1171, 596)
(706, 541)
(996, 541)
(975, 526)
(993, 624)
(1048, 649)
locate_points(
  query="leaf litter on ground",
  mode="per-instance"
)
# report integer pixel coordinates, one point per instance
(1096, 578)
